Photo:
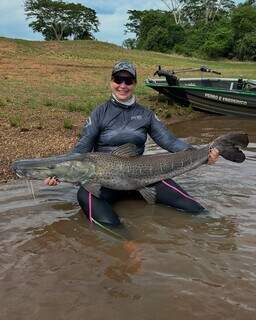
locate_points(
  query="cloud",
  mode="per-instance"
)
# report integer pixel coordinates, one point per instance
(111, 28)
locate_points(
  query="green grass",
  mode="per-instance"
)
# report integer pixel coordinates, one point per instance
(74, 75)
(67, 124)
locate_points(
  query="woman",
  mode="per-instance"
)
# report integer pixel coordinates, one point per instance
(122, 120)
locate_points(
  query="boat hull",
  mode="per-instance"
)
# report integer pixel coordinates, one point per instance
(221, 97)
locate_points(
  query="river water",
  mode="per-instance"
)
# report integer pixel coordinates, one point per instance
(54, 265)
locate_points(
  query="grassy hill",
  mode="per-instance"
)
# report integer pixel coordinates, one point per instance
(74, 75)
(47, 88)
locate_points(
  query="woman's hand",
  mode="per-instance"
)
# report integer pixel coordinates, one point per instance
(213, 156)
(51, 181)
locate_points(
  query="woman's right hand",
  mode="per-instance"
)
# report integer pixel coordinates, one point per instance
(51, 181)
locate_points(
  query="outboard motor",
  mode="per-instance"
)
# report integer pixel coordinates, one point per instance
(171, 78)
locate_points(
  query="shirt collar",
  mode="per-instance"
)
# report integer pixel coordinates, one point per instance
(125, 104)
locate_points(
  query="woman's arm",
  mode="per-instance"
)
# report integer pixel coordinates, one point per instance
(166, 140)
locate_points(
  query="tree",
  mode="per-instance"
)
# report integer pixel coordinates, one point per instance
(219, 41)
(206, 28)
(158, 39)
(154, 29)
(246, 47)
(194, 39)
(175, 7)
(250, 2)
(57, 20)
(135, 18)
(206, 11)
(243, 22)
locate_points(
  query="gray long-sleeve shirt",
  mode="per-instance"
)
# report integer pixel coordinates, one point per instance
(113, 124)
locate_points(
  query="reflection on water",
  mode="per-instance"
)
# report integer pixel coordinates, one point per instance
(54, 265)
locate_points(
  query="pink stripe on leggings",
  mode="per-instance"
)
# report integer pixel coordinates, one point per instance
(90, 207)
(176, 189)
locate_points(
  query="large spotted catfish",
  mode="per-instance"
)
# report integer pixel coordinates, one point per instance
(123, 169)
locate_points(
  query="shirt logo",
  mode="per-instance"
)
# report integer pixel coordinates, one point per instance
(88, 122)
(139, 117)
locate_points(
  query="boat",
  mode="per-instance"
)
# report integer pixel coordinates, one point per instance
(226, 96)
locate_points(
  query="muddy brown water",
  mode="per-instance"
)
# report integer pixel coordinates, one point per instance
(54, 265)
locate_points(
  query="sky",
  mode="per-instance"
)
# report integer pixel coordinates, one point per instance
(112, 15)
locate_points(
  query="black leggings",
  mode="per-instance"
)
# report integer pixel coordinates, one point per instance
(167, 192)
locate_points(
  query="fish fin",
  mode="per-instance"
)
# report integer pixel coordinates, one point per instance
(126, 150)
(149, 194)
(233, 154)
(94, 188)
(228, 146)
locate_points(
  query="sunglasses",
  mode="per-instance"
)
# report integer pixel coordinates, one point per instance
(120, 79)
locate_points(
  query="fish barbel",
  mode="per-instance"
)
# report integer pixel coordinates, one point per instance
(123, 169)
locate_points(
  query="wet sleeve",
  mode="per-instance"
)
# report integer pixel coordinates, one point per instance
(164, 138)
(89, 135)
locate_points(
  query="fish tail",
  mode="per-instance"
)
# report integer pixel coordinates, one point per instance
(229, 144)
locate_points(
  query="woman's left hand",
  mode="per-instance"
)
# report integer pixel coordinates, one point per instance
(213, 156)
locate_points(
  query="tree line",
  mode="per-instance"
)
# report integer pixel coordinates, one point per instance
(205, 28)
(201, 28)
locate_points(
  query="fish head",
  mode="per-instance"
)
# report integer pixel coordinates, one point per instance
(33, 170)
(66, 168)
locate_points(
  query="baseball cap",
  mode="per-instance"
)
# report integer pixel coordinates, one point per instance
(125, 66)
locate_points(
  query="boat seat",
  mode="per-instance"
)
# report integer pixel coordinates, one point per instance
(240, 84)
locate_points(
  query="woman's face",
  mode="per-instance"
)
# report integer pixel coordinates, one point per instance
(123, 91)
